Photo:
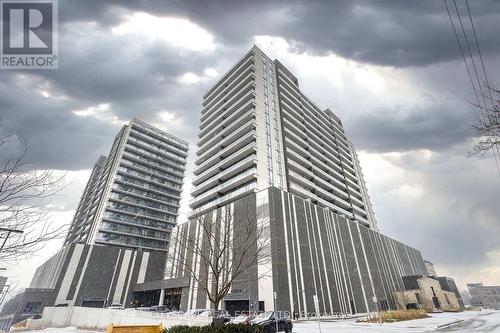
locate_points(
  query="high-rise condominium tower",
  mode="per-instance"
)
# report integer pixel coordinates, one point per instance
(132, 196)
(270, 158)
(258, 130)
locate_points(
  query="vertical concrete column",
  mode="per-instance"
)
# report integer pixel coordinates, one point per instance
(162, 297)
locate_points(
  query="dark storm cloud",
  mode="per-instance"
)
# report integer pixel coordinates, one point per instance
(138, 79)
(133, 78)
(435, 127)
(392, 33)
(454, 220)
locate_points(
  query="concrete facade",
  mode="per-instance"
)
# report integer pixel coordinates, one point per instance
(448, 284)
(94, 276)
(426, 293)
(314, 252)
(86, 275)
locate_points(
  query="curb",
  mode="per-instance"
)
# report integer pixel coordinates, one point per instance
(450, 324)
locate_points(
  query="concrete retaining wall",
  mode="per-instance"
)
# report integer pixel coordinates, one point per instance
(92, 318)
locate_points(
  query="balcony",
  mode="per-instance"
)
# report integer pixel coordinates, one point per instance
(243, 113)
(298, 129)
(132, 234)
(236, 145)
(284, 81)
(306, 194)
(292, 101)
(332, 176)
(244, 103)
(142, 206)
(149, 179)
(244, 75)
(239, 193)
(164, 165)
(149, 156)
(218, 87)
(320, 150)
(292, 139)
(292, 113)
(120, 211)
(147, 187)
(153, 131)
(131, 141)
(222, 140)
(243, 93)
(129, 165)
(226, 163)
(143, 197)
(226, 174)
(224, 187)
(304, 181)
(165, 143)
(214, 109)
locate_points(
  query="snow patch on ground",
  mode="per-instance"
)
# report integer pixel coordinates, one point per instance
(487, 321)
(487, 318)
(59, 330)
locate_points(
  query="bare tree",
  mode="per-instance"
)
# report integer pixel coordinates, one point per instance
(487, 121)
(224, 248)
(25, 221)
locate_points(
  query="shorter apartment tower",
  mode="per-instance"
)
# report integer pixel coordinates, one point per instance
(482, 296)
(132, 196)
(120, 232)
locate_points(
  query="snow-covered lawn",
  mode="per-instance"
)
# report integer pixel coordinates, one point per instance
(487, 318)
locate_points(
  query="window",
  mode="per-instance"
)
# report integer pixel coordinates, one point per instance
(33, 307)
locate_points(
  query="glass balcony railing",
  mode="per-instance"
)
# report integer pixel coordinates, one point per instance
(246, 189)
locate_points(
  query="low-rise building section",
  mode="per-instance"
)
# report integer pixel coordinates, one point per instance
(313, 252)
(482, 296)
(421, 292)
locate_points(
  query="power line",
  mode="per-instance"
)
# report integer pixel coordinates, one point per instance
(470, 52)
(479, 50)
(461, 52)
(488, 86)
(481, 110)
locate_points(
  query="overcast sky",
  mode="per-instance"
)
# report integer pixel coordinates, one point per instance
(391, 70)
